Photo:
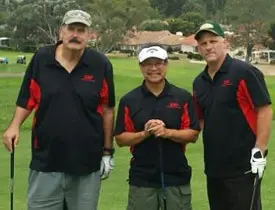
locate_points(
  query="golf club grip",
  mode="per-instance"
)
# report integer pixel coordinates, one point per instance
(255, 187)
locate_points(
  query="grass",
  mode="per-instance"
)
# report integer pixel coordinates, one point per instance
(115, 189)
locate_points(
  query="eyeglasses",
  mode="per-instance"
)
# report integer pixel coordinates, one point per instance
(158, 64)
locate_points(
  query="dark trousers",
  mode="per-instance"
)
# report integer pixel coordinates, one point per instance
(232, 193)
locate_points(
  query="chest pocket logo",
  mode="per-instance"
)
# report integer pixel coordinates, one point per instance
(226, 83)
(173, 105)
(87, 78)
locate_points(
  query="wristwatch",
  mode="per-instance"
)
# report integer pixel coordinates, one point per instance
(110, 151)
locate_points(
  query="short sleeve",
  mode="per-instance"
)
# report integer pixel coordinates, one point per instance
(29, 94)
(124, 122)
(256, 87)
(189, 119)
(107, 93)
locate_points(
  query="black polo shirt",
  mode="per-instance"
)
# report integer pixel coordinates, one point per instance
(67, 132)
(174, 106)
(228, 106)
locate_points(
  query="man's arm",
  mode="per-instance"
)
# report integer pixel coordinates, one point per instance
(129, 138)
(20, 115)
(264, 118)
(182, 136)
(108, 124)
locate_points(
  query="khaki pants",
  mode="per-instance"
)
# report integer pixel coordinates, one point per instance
(47, 191)
(141, 198)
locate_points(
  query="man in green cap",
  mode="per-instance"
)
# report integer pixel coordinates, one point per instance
(234, 108)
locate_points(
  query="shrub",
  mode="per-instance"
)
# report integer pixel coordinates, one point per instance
(173, 58)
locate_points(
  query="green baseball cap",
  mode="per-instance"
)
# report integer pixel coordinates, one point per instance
(210, 27)
(77, 16)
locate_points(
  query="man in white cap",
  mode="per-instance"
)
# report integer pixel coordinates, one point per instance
(156, 120)
(71, 90)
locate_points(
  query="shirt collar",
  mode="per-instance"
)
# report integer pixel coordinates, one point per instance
(166, 90)
(52, 61)
(224, 67)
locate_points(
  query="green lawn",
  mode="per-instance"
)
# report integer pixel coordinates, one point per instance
(114, 190)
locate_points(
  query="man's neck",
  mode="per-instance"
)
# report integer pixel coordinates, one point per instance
(71, 56)
(68, 58)
(156, 89)
(214, 67)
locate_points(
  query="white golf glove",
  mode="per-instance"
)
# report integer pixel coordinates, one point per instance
(107, 165)
(258, 162)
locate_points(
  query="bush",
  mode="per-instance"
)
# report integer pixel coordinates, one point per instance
(126, 51)
(272, 62)
(194, 56)
(173, 58)
(169, 50)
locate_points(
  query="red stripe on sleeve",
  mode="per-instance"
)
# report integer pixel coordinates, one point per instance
(33, 103)
(35, 95)
(247, 106)
(198, 109)
(185, 119)
(128, 124)
(104, 97)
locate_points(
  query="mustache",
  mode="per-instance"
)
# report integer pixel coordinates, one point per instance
(74, 40)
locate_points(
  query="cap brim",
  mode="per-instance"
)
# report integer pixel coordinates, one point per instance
(141, 60)
(198, 34)
(77, 20)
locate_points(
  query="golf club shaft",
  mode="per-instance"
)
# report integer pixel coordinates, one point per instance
(12, 175)
(255, 189)
(162, 174)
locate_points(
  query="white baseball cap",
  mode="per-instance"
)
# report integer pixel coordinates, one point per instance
(152, 52)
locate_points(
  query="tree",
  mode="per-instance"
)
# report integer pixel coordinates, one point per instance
(194, 17)
(179, 25)
(168, 8)
(153, 25)
(271, 33)
(193, 6)
(112, 18)
(37, 22)
(250, 20)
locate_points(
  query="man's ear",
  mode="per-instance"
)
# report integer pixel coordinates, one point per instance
(226, 42)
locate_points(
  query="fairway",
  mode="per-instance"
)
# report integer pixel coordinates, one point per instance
(115, 189)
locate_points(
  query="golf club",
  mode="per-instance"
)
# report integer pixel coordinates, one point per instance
(12, 175)
(255, 188)
(162, 175)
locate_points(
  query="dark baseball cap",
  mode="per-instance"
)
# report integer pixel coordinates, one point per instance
(210, 27)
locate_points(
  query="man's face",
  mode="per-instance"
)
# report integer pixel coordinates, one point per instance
(212, 48)
(75, 36)
(154, 70)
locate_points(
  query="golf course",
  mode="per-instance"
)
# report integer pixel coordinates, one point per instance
(114, 191)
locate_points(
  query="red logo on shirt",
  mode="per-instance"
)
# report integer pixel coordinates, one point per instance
(87, 78)
(226, 82)
(173, 105)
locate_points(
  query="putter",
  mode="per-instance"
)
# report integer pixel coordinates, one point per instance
(162, 175)
(12, 175)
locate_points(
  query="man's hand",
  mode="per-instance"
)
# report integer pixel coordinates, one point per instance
(158, 129)
(11, 135)
(258, 162)
(107, 165)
